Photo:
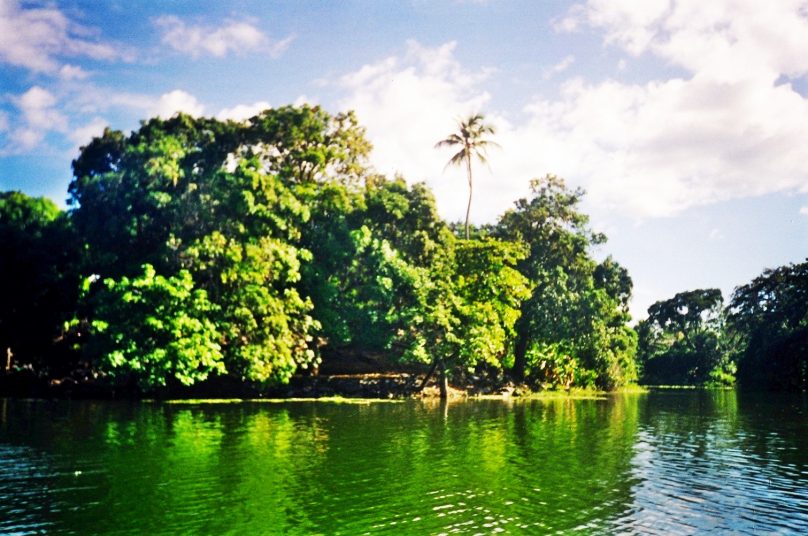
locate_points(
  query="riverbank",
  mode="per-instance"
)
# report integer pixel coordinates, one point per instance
(366, 385)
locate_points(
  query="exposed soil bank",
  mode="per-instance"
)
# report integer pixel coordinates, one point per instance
(384, 385)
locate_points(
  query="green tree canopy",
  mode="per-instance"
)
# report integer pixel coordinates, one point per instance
(38, 284)
(683, 341)
(255, 249)
(576, 317)
(770, 317)
(218, 199)
(151, 330)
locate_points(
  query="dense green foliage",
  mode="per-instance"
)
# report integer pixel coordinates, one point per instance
(683, 341)
(196, 248)
(573, 328)
(770, 317)
(38, 282)
(152, 330)
(762, 334)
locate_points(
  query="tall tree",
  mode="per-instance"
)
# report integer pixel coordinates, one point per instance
(769, 316)
(37, 282)
(470, 137)
(223, 202)
(682, 341)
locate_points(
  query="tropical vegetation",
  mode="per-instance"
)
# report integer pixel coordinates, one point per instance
(196, 250)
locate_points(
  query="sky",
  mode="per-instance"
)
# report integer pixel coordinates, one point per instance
(685, 121)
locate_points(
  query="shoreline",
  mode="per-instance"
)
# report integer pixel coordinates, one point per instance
(338, 388)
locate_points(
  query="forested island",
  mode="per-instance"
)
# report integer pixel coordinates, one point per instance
(223, 256)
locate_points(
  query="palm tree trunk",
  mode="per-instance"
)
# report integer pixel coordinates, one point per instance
(444, 381)
(468, 208)
(520, 348)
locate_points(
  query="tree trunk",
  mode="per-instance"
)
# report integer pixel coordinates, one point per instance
(428, 376)
(444, 381)
(468, 208)
(8, 359)
(520, 353)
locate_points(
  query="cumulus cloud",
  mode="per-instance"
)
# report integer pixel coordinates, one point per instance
(37, 106)
(90, 99)
(409, 102)
(72, 72)
(84, 134)
(40, 112)
(730, 126)
(723, 39)
(232, 37)
(175, 101)
(242, 112)
(36, 38)
(804, 210)
(38, 115)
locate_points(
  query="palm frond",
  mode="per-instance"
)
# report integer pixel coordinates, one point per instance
(470, 135)
(457, 159)
(451, 139)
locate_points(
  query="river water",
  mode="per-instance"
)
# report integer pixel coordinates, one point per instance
(668, 462)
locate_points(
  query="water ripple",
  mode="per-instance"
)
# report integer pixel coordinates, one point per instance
(681, 464)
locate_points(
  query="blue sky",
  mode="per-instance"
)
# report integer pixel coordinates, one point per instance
(685, 121)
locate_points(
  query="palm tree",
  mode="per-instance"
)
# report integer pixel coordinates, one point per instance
(470, 139)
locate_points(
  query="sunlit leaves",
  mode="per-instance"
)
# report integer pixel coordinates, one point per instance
(153, 330)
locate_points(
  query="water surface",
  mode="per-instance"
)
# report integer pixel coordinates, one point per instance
(689, 462)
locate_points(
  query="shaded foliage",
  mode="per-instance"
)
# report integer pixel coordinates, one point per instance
(683, 341)
(38, 283)
(770, 317)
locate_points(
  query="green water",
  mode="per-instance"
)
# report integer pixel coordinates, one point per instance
(660, 463)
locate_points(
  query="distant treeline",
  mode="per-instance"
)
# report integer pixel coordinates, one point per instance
(760, 337)
(196, 249)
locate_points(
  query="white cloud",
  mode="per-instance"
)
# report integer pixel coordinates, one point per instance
(729, 130)
(90, 99)
(36, 38)
(724, 39)
(39, 112)
(38, 115)
(661, 147)
(304, 99)
(232, 37)
(72, 72)
(175, 101)
(37, 106)
(559, 67)
(276, 48)
(729, 127)
(804, 210)
(407, 104)
(83, 135)
(242, 112)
